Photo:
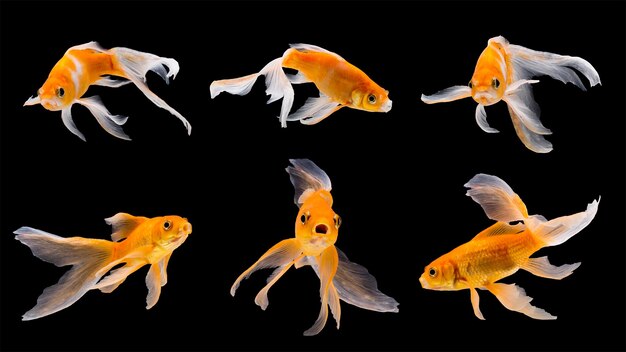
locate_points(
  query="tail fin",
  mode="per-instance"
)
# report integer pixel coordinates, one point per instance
(530, 63)
(136, 64)
(277, 82)
(90, 260)
(559, 230)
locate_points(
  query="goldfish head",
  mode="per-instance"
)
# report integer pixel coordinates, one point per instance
(317, 225)
(171, 231)
(489, 83)
(56, 94)
(439, 275)
(487, 89)
(371, 98)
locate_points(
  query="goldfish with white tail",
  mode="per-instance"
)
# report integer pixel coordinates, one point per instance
(503, 72)
(89, 64)
(339, 82)
(505, 247)
(137, 241)
(316, 231)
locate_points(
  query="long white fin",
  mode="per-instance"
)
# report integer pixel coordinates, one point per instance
(533, 141)
(542, 267)
(496, 198)
(111, 123)
(514, 298)
(66, 116)
(314, 110)
(305, 175)
(481, 120)
(448, 94)
(521, 101)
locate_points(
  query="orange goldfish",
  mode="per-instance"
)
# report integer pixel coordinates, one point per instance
(317, 227)
(503, 248)
(89, 64)
(137, 241)
(339, 82)
(502, 73)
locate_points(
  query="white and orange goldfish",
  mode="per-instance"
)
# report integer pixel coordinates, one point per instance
(503, 72)
(503, 248)
(89, 64)
(339, 82)
(137, 241)
(317, 227)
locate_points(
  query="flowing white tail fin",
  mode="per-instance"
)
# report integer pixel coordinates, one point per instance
(136, 64)
(90, 260)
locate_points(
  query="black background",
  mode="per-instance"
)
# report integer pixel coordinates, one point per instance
(397, 177)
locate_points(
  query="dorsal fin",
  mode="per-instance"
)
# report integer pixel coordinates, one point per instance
(91, 45)
(501, 228)
(313, 48)
(306, 178)
(496, 198)
(123, 224)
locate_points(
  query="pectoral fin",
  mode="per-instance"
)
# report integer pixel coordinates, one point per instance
(481, 120)
(111, 123)
(514, 298)
(448, 94)
(66, 116)
(153, 281)
(315, 110)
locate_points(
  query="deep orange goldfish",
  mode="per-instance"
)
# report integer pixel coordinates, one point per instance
(137, 241)
(89, 64)
(502, 249)
(340, 84)
(502, 72)
(317, 227)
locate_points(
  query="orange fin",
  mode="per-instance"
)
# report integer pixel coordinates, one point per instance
(541, 267)
(475, 303)
(501, 228)
(327, 263)
(123, 224)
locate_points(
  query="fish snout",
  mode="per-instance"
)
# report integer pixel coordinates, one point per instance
(51, 104)
(485, 98)
(424, 283)
(386, 106)
(186, 229)
(321, 229)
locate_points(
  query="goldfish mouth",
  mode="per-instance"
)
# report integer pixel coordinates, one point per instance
(386, 106)
(485, 98)
(424, 283)
(321, 229)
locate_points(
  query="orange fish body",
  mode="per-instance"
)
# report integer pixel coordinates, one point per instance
(88, 64)
(340, 84)
(502, 249)
(503, 72)
(316, 231)
(142, 241)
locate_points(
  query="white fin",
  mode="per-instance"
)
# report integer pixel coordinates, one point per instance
(261, 299)
(529, 63)
(88, 257)
(238, 86)
(66, 116)
(481, 120)
(153, 282)
(123, 224)
(298, 78)
(514, 298)
(108, 82)
(475, 298)
(327, 263)
(559, 230)
(501, 228)
(314, 48)
(32, 101)
(533, 141)
(91, 45)
(305, 175)
(116, 277)
(163, 264)
(314, 110)
(542, 267)
(448, 94)
(521, 101)
(136, 64)
(334, 303)
(111, 123)
(496, 198)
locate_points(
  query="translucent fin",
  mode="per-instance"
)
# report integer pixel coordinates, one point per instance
(298, 78)
(136, 64)
(514, 298)
(32, 101)
(529, 63)
(237, 86)
(153, 282)
(88, 46)
(110, 123)
(108, 82)
(476, 303)
(313, 48)
(314, 110)
(123, 224)
(327, 263)
(481, 120)
(559, 230)
(496, 198)
(526, 109)
(448, 94)
(304, 175)
(163, 264)
(501, 228)
(535, 142)
(283, 252)
(334, 303)
(88, 257)
(278, 86)
(542, 267)
(116, 277)
(66, 116)
(261, 298)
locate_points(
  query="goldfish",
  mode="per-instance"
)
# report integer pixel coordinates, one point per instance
(89, 64)
(339, 83)
(505, 247)
(136, 241)
(503, 72)
(316, 231)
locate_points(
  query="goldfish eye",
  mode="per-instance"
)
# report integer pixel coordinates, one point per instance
(470, 84)
(305, 217)
(60, 92)
(337, 220)
(495, 83)
(167, 225)
(371, 99)
(432, 272)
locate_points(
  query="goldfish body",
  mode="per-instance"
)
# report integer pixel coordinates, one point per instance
(137, 241)
(503, 72)
(502, 249)
(89, 64)
(316, 230)
(339, 82)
